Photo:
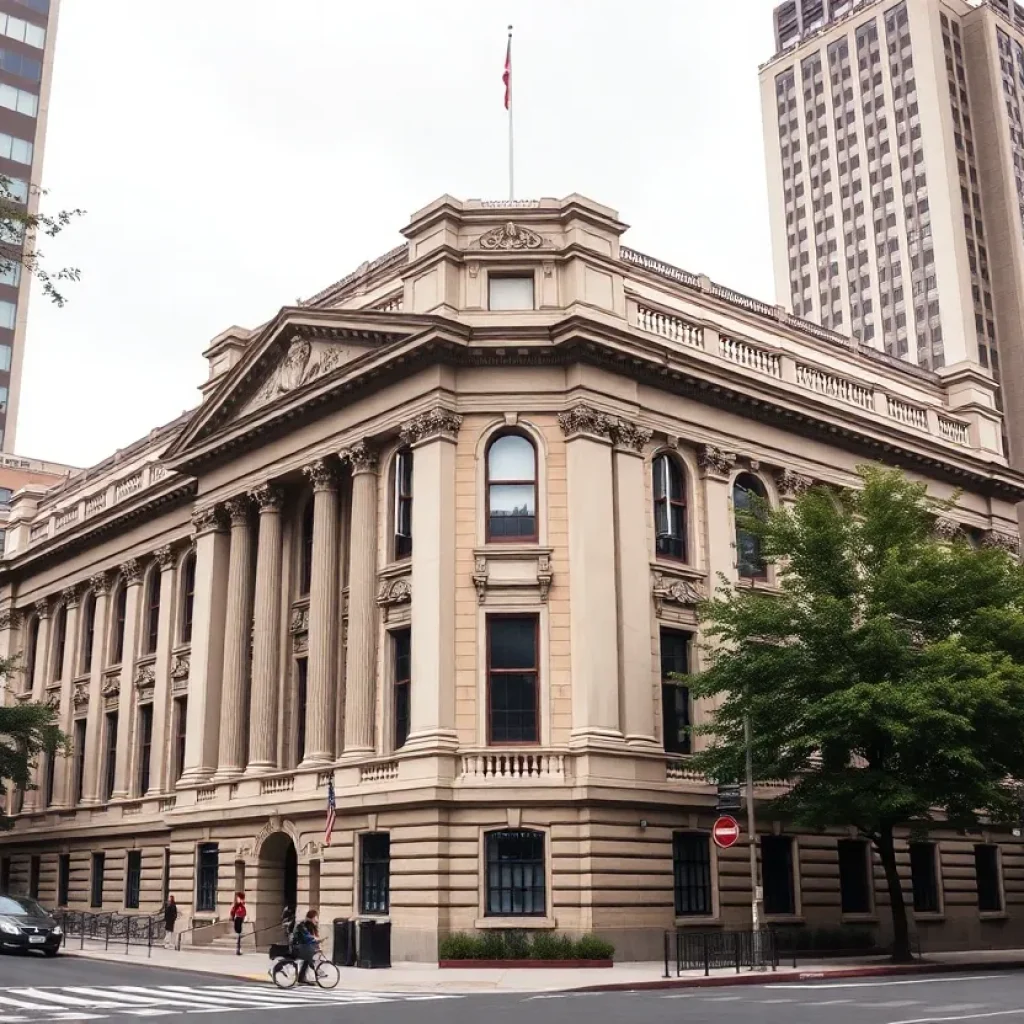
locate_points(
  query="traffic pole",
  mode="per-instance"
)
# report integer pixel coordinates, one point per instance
(755, 889)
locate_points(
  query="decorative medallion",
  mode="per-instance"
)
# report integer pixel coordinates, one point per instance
(437, 422)
(394, 592)
(792, 484)
(584, 419)
(510, 236)
(629, 436)
(675, 591)
(268, 498)
(714, 460)
(321, 475)
(361, 457)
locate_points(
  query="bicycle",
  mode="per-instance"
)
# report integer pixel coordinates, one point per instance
(285, 972)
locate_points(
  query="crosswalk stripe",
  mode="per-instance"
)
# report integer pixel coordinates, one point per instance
(17, 1003)
(181, 995)
(264, 994)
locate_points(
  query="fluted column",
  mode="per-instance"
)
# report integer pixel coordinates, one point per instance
(40, 675)
(266, 634)
(100, 585)
(361, 655)
(166, 559)
(61, 766)
(432, 437)
(206, 660)
(632, 569)
(237, 639)
(131, 572)
(323, 616)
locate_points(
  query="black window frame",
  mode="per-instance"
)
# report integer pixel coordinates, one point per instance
(301, 702)
(111, 723)
(856, 882)
(306, 548)
(132, 879)
(779, 899)
(375, 873)
(145, 746)
(32, 656)
(675, 735)
(401, 669)
(989, 889)
(35, 868)
(692, 890)
(50, 770)
(500, 735)
(521, 877)
(79, 739)
(60, 641)
(180, 715)
(120, 621)
(671, 540)
(207, 870)
(63, 879)
(750, 563)
(924, 877)
(402, 498)
(188, 596)
(153, 610)
(88, 632)
(97, 869)
(498, 537)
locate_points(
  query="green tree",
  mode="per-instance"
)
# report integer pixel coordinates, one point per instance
(884, 679)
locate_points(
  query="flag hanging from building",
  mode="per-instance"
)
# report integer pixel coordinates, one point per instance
(507, 75)
(331, 814)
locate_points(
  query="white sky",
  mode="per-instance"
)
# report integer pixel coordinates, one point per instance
(235, 155)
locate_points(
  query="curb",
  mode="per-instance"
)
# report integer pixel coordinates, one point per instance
(103, 958)
(781, 977)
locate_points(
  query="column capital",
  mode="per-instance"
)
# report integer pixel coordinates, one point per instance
(205, 520)
(436, 422)
(237, 509)
(71, 596)
(164, 557)
(630, 437)
(714, 461)
(792, 484)
(585, 419)
(100, 583)
(361, 457)
(322, 475)
(42, 607)
(268, 498)
(131, 572)
(10, 619)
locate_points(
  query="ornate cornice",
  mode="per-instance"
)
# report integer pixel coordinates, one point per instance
(791, 484)
(205, 520)
(100, 583)
(510, 236)
(1008, 542)
(268, 498)
(629, 436)
(715, 460)
(361, 457)
(322, 475)
(42, 607)
(437, 422)
(164, 556)
(585, 419)
(131, 571)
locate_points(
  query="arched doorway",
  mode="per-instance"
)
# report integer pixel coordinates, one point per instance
(278, 880)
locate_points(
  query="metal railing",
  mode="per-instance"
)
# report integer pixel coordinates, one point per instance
(127, 929)
(720, 950)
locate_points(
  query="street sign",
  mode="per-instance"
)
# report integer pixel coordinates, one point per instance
(725, 832)
(728, 798)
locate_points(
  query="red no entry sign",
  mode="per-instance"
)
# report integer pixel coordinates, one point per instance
(725, 832)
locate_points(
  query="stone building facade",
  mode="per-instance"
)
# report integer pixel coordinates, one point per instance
(438, 533)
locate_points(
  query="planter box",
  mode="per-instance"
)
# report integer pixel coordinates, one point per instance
(531, 964)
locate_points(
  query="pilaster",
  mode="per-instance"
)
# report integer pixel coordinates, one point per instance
(100, 586)
(131, 572)
(40, 675)
(71, 598)
(166, 559)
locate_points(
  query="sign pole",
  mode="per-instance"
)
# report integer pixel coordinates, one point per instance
(755, 889)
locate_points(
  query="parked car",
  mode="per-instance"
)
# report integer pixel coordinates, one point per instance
(24, 924)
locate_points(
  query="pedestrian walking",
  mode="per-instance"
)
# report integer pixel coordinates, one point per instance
(238, 919)
(170, 920)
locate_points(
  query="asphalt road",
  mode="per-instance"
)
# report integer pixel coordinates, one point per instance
(71, 988)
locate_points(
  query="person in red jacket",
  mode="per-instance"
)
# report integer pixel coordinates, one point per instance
(238, 919)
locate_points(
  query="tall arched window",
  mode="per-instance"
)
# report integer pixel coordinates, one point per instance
(188, 595)
(31, 652)
(88, 630)
(403, 503)
(745, 494)
(120, 615)
(306, 549)
(669, 507)
(511, 489)
(60, 641)
(153, 610)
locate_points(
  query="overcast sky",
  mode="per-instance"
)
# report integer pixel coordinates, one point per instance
(236, 155)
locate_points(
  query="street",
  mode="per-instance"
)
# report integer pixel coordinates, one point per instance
(72, 989)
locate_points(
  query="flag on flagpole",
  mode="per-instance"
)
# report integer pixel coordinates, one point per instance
(507, 74)
(331, 814)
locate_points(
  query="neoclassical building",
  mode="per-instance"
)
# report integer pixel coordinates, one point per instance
(439, 533)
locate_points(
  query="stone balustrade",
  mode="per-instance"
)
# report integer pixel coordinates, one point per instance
(491, 766)
(379, 771)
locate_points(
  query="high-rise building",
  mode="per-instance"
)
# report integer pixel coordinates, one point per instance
(27, 36)
(894, 134)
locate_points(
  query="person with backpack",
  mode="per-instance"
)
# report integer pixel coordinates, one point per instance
(238, 919)
(305, 941)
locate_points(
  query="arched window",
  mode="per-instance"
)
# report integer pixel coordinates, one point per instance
(88, 630)
(745, 494)
(120, 615)
(306, 549)
(188, 595)
(669, 507)
(403, 503)
(153, 610)
(511, 489)
(60, 641)
(31, 652)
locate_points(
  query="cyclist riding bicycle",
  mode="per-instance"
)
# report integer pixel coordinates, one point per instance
(305, 941)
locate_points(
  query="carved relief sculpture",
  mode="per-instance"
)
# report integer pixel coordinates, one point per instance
(268, 498)
(237, 509)
(131, 571)
(629, 436)
(510, 236)
(792, 484)
(437, 422)
(584, 419)
(100, 583)
(480, 574)
(394, 592)
(321, 475)
(206, 519)
(714, 460)
(675, 591)
(1007, 541)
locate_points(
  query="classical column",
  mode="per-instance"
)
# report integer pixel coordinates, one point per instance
(131, 572)
(166, 559)
(71, 598)
(100, 585)
(433, 437)
(237, 638)
(266, 634)
(361, 655)
(323, 616)
(40, 676)
(206, 658)
(593, 613)
(633, 572)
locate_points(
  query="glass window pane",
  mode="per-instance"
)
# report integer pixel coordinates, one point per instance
(511, 458)
(510, 292)
(15, 29)
(508, 499)
(5, 357)
(10, 273)
(513, 643)
(27, 103)
(21, 151)
(35, 36)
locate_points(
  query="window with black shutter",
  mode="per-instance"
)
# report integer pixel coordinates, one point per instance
(96, 880)
(986, 869)
(401, 641)
(375, 872)
(854, 876)
(777, 874)
(63, 879)
(924, 876)
(675, 694)
(133, 879)
(111, 760)
(516, 885)
(207, 859)
(691, 870)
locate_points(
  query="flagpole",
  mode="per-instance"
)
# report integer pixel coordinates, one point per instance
(511, 136)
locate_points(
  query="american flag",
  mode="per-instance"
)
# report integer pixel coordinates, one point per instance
(506, 76)
(331, 814)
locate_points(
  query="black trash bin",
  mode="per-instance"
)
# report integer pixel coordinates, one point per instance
(344, 942)
(374, 944)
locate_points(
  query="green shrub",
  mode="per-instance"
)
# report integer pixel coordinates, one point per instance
(517, 945)
(590, 947)
(548, 946)
(457, 946)
(492, 946)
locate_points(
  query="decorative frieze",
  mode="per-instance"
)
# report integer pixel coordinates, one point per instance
(437, 422)
(393, 592)
(675, 590)
(268, 498)
(792, 484)
(585, 419)
(131, 571)
(322, 475)
(510, 236)
(715, 460)
(629, 437)
(361, 457)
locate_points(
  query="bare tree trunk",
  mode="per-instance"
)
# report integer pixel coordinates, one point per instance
(900, 928)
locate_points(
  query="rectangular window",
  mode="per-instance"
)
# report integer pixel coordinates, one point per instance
(512, 679)
(19, 64)
(79, 754)
(924, 876)
(34, 865)
(96, 880)
(180, 724)
(854, 876)
(675, 694)
(986, 869)
(166, 889)
(691, 871)
(110, 765)
(301, 698)
(8, 312)
(401, 653)
(50, 768)
(63, 879)
(510, 291)
(19, 100)
(5, 358)
(515, 874)
(375, 873)
(403, 504)
(207, 858)
(133, 879)
(777, 874)
(145, 746)
(5, 874)
(13, 148)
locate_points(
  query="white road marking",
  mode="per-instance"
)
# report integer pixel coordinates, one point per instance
(778, 1000)
(828, 1002)
(894, 1004)
(722, 999)
(880, 984)
(966, 1016)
